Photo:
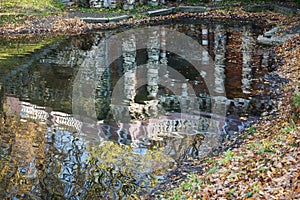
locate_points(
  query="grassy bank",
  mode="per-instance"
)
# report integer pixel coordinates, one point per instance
(12, 11)
(30, 6)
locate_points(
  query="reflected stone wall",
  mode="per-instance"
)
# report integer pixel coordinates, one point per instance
(49, 81)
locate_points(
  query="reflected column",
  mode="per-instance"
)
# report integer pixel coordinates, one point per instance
(163, 49)
(220, 50)
(247, 51)
(129, 69)
(219, 101)
(219, 98)
(102, 97)
(84, 86)
(127, 90)
(153, 64)
(205, 55)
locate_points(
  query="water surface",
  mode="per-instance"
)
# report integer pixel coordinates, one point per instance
(138, 132)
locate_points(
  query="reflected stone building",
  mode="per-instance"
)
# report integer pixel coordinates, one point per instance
(50, 82)
(137, 99)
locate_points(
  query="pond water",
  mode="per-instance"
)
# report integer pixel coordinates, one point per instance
(106, 115)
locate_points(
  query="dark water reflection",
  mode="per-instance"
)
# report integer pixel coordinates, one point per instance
(46, 153)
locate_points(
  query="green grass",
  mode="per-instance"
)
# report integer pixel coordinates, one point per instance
(249, 194)
(213, 169)
(251, 130)
(11, 18)
(265, 150)
(296, 99)
(12, 11)
(228, 156)
(263, 169)
(230, 192)
(193, 184)
(296, 107)
(30, 6)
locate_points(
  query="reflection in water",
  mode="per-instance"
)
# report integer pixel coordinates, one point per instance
(22, 156)
(49, 153)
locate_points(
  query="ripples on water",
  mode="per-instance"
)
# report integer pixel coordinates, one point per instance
(47, 153)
